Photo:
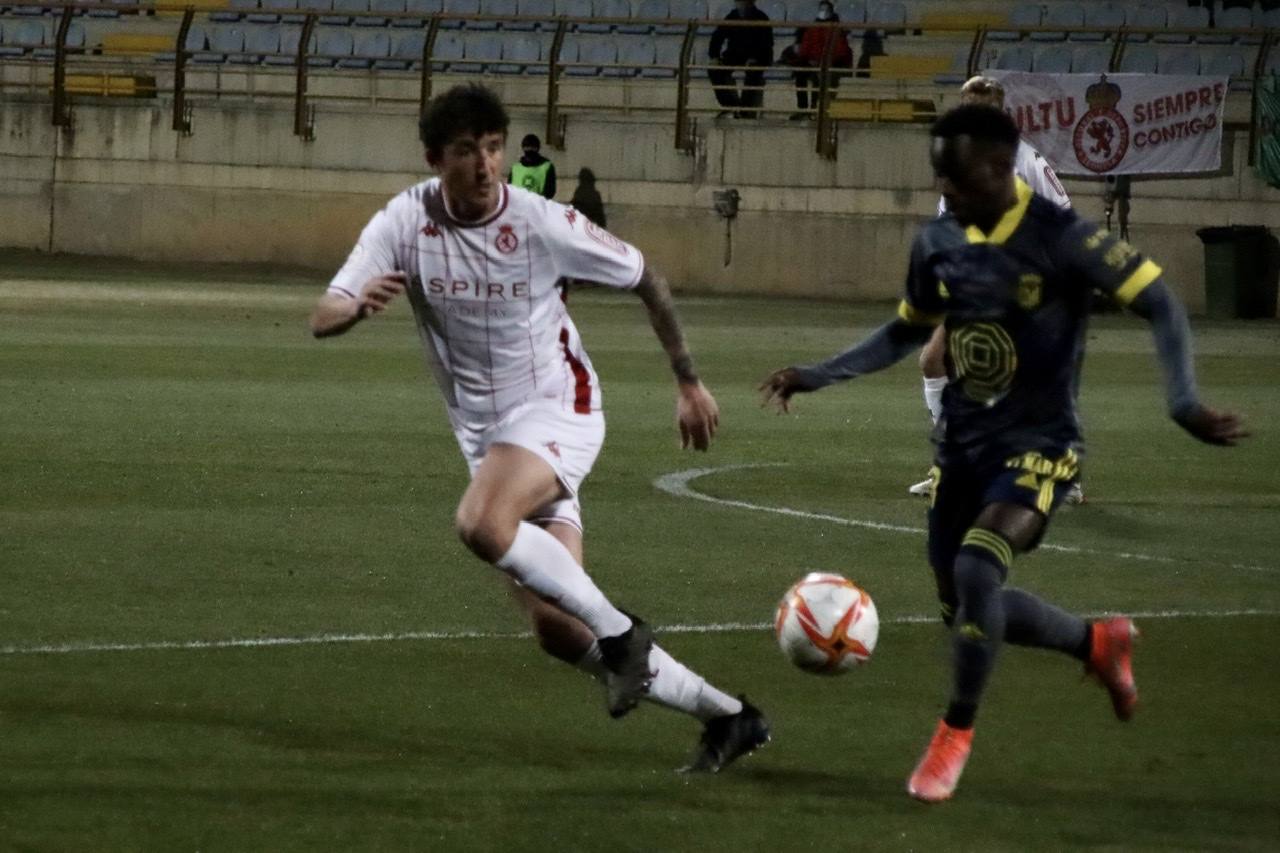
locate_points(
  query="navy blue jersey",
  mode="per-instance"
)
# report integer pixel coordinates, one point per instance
(1015, 303)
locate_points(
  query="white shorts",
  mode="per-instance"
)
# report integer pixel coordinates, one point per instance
(566, 441)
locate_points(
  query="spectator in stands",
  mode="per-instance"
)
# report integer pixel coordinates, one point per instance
(741, 46)
(534, 172)
(806, 57)
(872, 45)
(586, 199)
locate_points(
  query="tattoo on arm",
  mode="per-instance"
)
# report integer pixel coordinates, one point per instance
(656, 296)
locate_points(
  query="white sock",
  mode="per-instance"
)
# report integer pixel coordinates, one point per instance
(674, 685)
(541, 563)
(933, 386)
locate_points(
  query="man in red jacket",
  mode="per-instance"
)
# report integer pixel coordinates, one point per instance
(806, 56)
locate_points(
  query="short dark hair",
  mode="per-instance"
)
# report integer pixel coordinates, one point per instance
(979, 121)
(469, 108)
(531, 140)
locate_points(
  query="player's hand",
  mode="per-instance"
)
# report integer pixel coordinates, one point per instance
(1213, 427)
(779, 387)
(378, 292)
(697, 416)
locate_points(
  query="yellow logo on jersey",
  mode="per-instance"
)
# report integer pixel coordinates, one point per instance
(1029, 291)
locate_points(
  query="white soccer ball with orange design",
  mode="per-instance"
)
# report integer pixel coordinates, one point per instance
(826, 624)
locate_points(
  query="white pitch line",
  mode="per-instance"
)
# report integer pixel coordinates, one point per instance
(677, 484)
(404, 636)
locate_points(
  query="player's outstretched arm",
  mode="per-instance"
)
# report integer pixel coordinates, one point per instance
(335, 313)
(697, 415)
(883, 348)
(1172, 334)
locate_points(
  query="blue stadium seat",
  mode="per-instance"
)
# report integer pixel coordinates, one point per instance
(1014, 58)
(259, 43)
(634, 55)
(852, 11)
(74, 43)
(777, 11)
(593, 53)
(366, 46)
(263, 15)
(345, 12)
(20, 36)
(225, 44)
(1094, 59)
(418, 7)
(1183, 16)
(1053, 59)
(460, 11)
(1230, 63)
(288, 55)
(574, 9)
(518, 52)
(406, 51)
(332, 46)
(1178, 60)
(1108, 15)
(503, 9)
(684, 10)
(606, 9)
(544, 9)
(1139, 59)
(1022, 15)
(39, 10)
(1060, 15)
(1145, 18)
(1271, 20)
(635, 28)
(957, 72)
(480, 51)
(234, 11)
(568, 51)
(887, 15)
(716, 10)
(385, 7)
(1237, 18)
(448, 49)
(666, 58)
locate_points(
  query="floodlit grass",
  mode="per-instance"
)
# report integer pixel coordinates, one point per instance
(183, 463)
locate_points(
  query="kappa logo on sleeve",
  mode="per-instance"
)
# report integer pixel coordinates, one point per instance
(604, 238)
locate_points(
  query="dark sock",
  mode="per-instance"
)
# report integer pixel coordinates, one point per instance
(979, 624)
(1032, 622)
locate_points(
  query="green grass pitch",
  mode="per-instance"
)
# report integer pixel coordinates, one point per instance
(182, 463)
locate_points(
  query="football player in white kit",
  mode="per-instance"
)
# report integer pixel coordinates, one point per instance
(1031, 166)
(481, 262)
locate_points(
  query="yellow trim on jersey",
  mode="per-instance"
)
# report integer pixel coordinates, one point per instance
(1147, 272)
(1008, 223)
(994, 543)
(910, 314)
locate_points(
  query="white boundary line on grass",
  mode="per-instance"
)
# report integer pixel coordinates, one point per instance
(677, 484)
(333, 639)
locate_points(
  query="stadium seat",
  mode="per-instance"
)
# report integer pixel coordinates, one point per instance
(1139, 59)
(1053, 59)
(634, 55)
(666, 58)
(1271, 21)
(518, 52)
(777, 11)
(684, 10)
(957, 72)
(574, 9)
(851, 11)
(367, 47)
(1178, 60)
(587, 50)
(1022, 15)
(347, 12)
(288, 54)
(496, 8)
(332, 45)
(1060, 15)
(384, 7)
(20, 36)
(1102, 15)
(459, 13)
(424, 8)
(447, 50)
(225, 43)
(606, 9)
(1093, 59)
(39, 10)
(1014, 58)
(645, 9)
(544, 9)
(234, 11)
(74, 42)
(568, 53)
(479, 51)
(1144, 18)
(259, 42)
(1230, 63)
(406, 51)
(716, 10)
(1183, 16)
(888, 15)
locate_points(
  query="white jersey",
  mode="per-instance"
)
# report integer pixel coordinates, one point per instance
(486, 295)
(1031, 166)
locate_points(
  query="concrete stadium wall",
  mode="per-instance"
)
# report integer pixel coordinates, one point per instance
(244, 188)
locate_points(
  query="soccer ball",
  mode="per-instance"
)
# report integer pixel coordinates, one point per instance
(826, 624)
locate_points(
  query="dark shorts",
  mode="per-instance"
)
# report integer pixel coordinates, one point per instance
(1034, 479)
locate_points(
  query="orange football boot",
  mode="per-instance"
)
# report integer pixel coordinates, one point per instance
(1111, 662)
(939, 770)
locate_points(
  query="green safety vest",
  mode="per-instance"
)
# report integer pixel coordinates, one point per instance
(531, 178)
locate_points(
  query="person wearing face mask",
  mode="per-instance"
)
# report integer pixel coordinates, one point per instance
(806, 56)
(737, 47)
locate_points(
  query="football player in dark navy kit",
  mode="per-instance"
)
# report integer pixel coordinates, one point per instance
(1010, 274)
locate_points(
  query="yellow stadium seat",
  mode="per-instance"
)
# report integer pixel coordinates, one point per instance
(136, 44)
(921, 66)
